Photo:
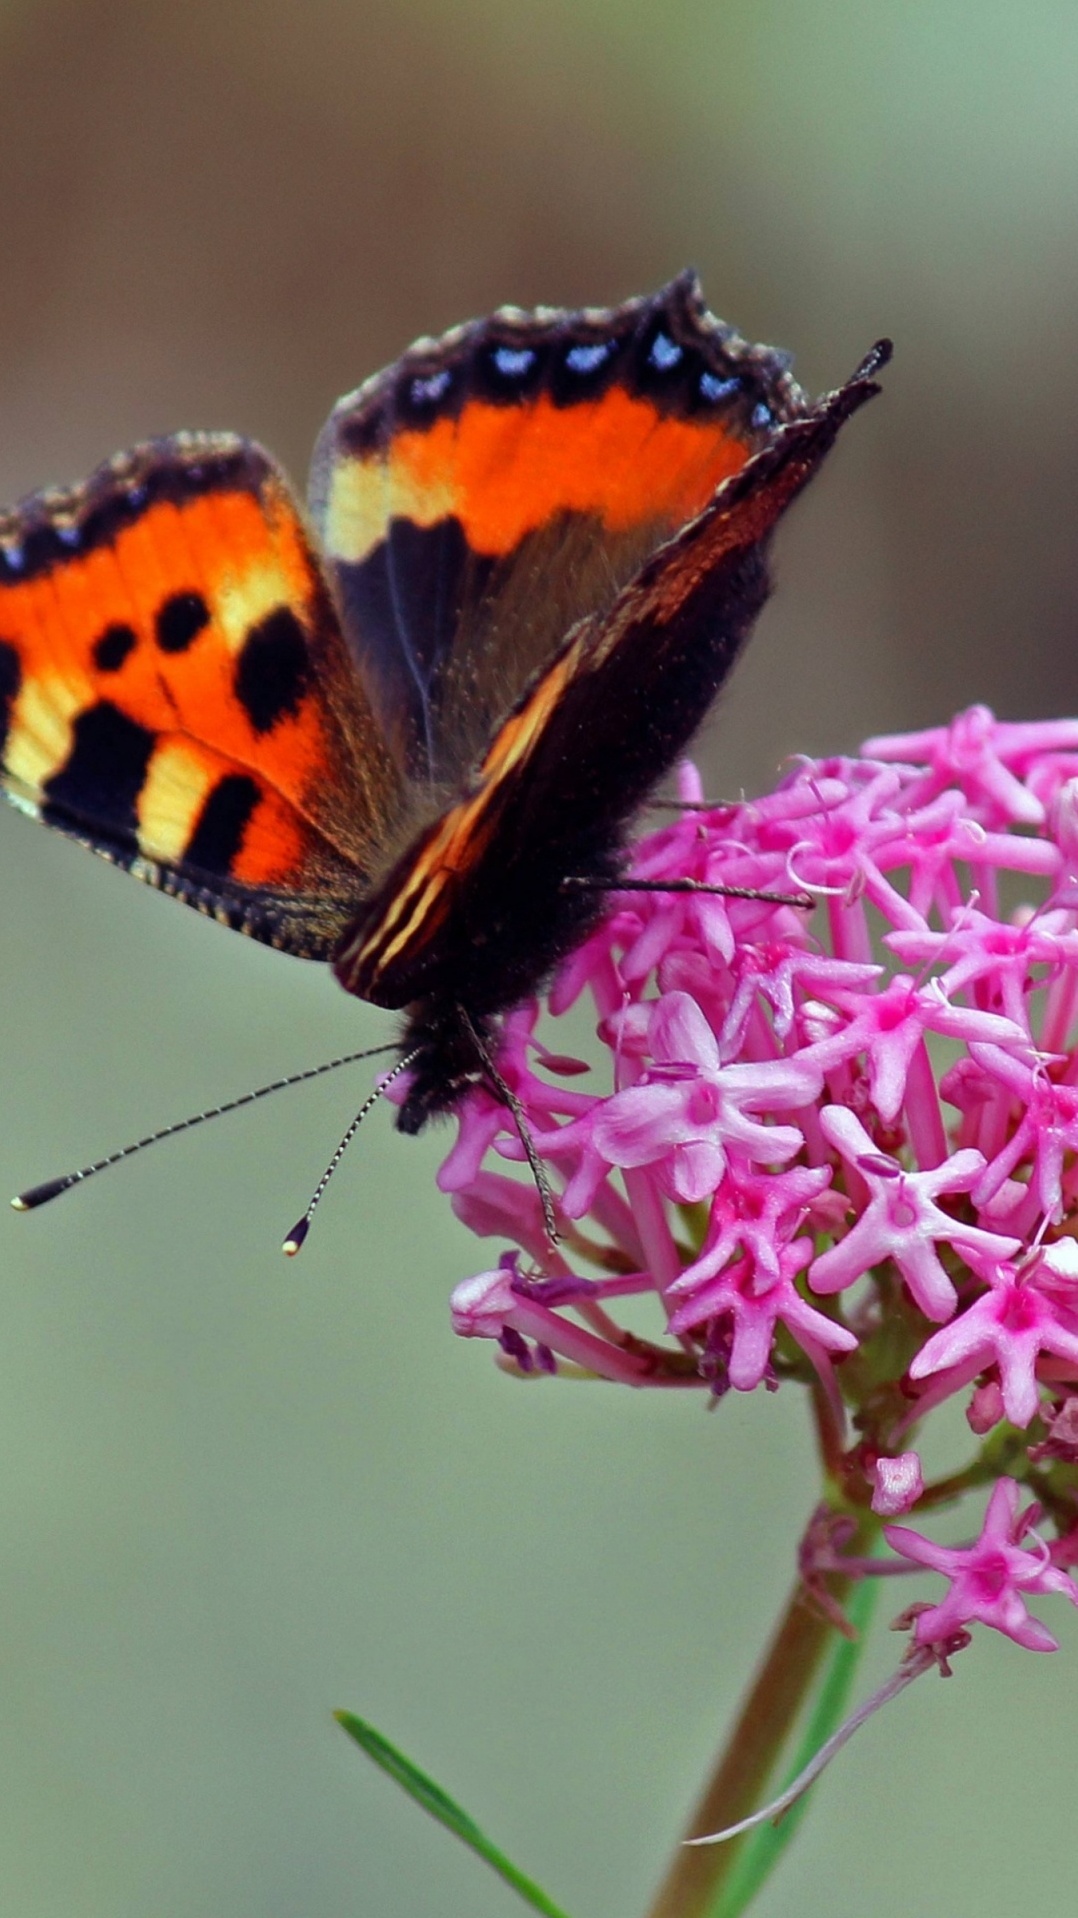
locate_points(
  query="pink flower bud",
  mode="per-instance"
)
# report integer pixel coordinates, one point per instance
(898, 1484)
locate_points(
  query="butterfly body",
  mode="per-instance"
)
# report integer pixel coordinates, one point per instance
(410, 740)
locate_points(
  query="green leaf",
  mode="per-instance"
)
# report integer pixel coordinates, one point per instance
(763, 1847)
(444, 1810)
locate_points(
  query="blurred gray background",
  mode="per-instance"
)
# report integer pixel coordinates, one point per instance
(236, 1492)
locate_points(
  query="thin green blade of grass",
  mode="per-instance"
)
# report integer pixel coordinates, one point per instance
(444, 1810)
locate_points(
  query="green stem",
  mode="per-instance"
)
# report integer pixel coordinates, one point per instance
(764, 1846)
(782, 1685)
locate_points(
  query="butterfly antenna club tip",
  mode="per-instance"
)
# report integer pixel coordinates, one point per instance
(294, 1240)
(296, 1237)
(36, 1195)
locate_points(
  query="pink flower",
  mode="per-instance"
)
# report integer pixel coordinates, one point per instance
(981, 952)
(972, 752)
(775, 973)
(890, 1028)
(497, 1305)
(988, 1577)
(1045, 1133)
(771, 1175)
(752, 1312)
(756, 1213)
(1025, 1312)
(689, 1108)
(902, 1220)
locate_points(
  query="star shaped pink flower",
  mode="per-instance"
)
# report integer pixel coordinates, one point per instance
(753, 1314)
(1045, 1133)
(889, 1026)
(755, 1213)
(1023, 1313)
(995, 954)
(902, 1220)
(971, 753)
(690, 1108)
(988, 1578)
(775, 973)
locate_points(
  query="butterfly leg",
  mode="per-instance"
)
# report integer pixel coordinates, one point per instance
(586, 884)
(509, 1098)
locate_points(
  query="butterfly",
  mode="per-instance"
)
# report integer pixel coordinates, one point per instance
(406, 734)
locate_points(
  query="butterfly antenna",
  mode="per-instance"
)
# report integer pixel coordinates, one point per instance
(37, 1195)
(509, 1098)
(302, 1226)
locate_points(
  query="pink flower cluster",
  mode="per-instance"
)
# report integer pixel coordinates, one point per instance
(854, 1157)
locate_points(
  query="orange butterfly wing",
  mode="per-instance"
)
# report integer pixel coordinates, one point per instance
(175, 691)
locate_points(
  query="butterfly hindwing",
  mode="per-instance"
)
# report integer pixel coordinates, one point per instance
(491, 488)
(175, 692)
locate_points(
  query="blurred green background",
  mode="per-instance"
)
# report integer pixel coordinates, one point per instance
(235, 1492)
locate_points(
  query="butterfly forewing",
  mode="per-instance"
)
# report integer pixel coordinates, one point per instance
(176, 693)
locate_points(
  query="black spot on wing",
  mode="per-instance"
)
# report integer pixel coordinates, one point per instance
(103, 775)
(113, 646)
(180, 620)
(273, 669)
(10, 681)
(217, 838)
